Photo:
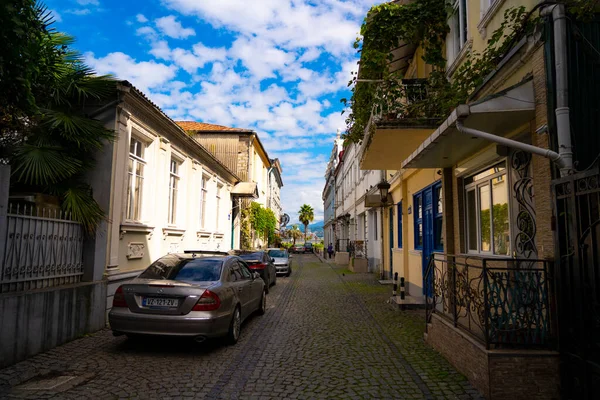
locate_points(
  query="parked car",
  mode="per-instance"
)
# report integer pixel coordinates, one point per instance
(259, 261)
(297, 248)
(283, 261)
(190, 295)
(308, 247)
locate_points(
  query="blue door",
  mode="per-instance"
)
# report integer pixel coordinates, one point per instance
(428, 242)
(391, 242)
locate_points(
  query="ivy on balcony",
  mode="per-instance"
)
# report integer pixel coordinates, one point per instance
(383, 93)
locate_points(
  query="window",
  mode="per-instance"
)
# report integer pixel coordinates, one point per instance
(203, 195)
(173, 188)
(438, 213)
(177, 268)
(488, 229)
(400, 225)
(375, 225)
(458, 29)
(485, 5)
(219, 188)
(418, 216)
(135, 180)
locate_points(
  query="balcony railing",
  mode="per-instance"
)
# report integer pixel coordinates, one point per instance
(501, 302)
(407, 101)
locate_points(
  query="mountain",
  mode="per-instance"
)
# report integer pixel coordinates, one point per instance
(317, 228)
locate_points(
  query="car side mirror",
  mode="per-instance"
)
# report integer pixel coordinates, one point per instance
(255, 275)
(272, 259)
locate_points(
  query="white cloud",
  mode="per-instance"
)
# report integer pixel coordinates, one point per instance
(173, 28)
(288, 23)
(88, 2)
(141, 18)
(81, 11)
(145, 75)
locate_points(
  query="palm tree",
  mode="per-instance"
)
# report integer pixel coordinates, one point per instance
(61, 139)
(295, 233)
(306, 215)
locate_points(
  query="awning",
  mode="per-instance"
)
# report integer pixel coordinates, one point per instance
(388, 145)
(245, 189)
(499, 114)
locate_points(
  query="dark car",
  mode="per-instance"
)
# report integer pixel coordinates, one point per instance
(189, 295)
(308, 247)
(259, 261)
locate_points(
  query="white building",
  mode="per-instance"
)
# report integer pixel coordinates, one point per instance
(168, 192)
(350, 223)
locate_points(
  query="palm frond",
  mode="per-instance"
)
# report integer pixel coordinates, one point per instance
(86, 133)
(43, 164)
(79, 202)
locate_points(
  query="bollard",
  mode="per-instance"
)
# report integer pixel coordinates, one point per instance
(402, 288)
(395, 284)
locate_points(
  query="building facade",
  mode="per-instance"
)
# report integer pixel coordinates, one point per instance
(243, 152)
(472, 199)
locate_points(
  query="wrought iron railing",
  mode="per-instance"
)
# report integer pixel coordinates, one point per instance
(342, 245)
(501, 302)
(407, 100)
(43, 248)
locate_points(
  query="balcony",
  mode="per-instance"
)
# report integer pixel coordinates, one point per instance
(400, 126)
(500, 302)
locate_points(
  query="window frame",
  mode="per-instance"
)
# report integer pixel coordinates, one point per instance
(459, 29)
(174, 180)
(399, 213)
(418, 220)
(438, 216)
(203, 195)
(475, 186)
(218, 197)
(136, 159)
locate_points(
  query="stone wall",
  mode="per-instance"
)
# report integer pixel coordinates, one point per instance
(36, 321)
(498, 374)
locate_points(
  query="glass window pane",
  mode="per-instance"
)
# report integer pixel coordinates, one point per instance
(419, 236)
(419, 207)
(472, 220)
(484, 217)
(500, 220)
(437, 234)
(137, 198)
(438, 196)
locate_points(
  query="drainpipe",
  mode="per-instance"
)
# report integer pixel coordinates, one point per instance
(563, 125)
(551, 155)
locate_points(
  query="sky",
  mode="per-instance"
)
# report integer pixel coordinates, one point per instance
(279, 67)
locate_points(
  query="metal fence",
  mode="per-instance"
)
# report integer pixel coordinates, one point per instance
(43, 248)
(501, 302)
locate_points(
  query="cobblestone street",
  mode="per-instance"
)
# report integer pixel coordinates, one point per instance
(327, 334)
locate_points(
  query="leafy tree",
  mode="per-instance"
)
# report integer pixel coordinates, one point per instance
(306, 215)
(58, 138)
(295, 233)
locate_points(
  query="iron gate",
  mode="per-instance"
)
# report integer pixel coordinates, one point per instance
(577, 202)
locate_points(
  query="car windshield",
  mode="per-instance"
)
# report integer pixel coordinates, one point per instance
(184, 269)
(277, 253)
(251, 256)
(307, 244)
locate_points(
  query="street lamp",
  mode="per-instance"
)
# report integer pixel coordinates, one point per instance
(384, 188)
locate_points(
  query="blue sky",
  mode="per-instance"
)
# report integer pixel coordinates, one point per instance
(279, 67)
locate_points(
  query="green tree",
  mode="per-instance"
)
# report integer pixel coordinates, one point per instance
(295, 233)
(306, 215)
(59, 139)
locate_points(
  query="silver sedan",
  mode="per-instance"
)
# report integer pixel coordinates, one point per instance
(192, 295)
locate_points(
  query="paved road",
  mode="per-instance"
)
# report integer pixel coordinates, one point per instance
(327, 334)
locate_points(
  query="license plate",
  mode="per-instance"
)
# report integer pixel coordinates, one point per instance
(159, 302)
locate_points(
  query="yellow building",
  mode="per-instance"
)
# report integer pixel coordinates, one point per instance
(471, 201)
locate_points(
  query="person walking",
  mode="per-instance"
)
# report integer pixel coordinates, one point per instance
(330, 250)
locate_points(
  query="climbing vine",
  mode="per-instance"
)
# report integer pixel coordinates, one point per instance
(424, 22)
(257, 221)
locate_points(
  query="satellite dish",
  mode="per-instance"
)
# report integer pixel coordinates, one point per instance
(285, 219)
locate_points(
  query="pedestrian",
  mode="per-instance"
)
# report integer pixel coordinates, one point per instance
(330, 250)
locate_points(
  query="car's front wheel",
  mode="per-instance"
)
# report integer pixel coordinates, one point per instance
(235, 327)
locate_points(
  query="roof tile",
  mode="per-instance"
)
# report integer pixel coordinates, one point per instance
(201, 126)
